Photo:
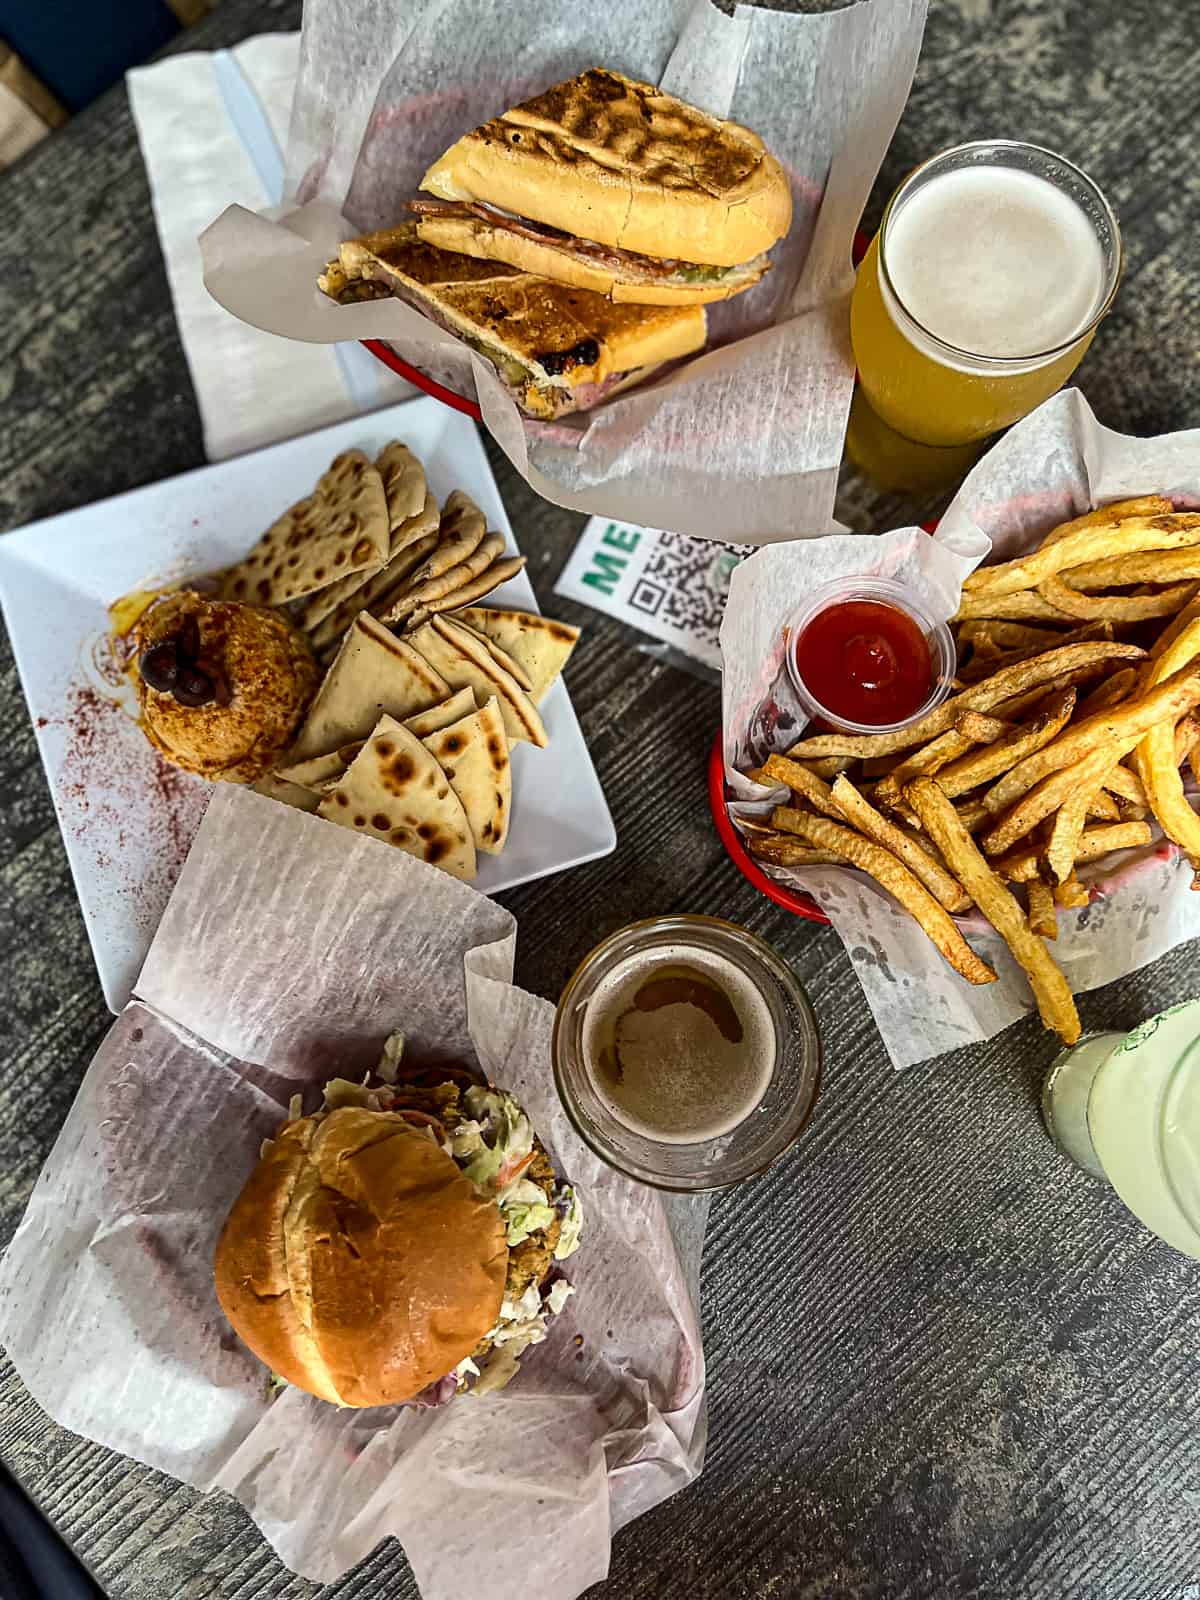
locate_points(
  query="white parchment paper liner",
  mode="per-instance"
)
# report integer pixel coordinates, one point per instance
(743, 443)
(291, 948)
(1055, 464)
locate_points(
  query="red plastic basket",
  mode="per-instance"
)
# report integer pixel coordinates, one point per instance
(794, 900)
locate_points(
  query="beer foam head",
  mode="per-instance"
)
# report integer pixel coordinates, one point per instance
(996, 262)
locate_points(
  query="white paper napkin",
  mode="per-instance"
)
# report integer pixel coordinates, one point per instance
(213, 127)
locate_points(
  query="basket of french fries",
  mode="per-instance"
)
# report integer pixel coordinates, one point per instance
(1052, 785)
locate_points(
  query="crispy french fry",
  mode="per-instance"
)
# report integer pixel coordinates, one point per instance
(801, 782)
(1172, 631)
(1157, 764)
(1186, 734)
(973, 815)
(1043, 920)
(946, 747)
(1110, 693)
(900, 883)
(752, 825)
(1072, 894)
(1026, 605)
(1121, 781)
(1048, 795)
(1171, 531)
(982, 663)
(1165, 702)
(993, 635)
(1055, 1002)
(1146, 505)
(830, 767)
(979, 728)
(981, 766)
(791, 853)
(863, 816)
(1154, 566)
(1103, 806)
(1115, 607)
(1022, 866)
(1003, 685)
(1066, 835)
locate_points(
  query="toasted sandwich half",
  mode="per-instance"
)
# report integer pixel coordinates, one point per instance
(611, 185)
(556, 349)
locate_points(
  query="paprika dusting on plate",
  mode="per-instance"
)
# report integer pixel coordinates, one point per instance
(866, 661)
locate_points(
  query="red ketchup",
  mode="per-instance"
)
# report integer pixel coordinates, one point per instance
(865, 661)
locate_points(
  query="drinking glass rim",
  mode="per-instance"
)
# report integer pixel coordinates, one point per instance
(1005, 363)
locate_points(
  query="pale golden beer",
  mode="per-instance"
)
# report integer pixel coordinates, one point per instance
(976, 301)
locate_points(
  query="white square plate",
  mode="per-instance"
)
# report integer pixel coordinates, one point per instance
(128, 818)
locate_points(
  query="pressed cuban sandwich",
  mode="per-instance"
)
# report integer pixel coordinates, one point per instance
(556, 349)
(610, 185)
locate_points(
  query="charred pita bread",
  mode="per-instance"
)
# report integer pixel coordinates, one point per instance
(509, 663)
(458, 656)
(458, 706)
(396, 791)
(341, 528)
(418, 594)
(322, 772)
(538, 644)
(373, 674)
(317, 773)
(404, 486)
(491, 578)
(473, 753)
(460, 533)
(328, 614)
(291, 794)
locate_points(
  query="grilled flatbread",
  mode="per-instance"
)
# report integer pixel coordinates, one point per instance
(473, 753)
(404, 486)
(341, 528)
(538, 644)
(325, 623)
(459, 657)
(460, 704)
(396, 791)
(374, 673)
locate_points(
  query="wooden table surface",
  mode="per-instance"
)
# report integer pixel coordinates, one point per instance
(941, 1361)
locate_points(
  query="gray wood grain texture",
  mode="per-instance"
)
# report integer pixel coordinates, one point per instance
(942, 1363)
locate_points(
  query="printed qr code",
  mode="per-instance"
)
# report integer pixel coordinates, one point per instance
(685, 582)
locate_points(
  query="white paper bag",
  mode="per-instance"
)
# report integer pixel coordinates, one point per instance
(740, 444)
(1054, 465)
(289, 950)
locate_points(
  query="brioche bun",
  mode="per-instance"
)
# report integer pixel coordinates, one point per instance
(358, 1262)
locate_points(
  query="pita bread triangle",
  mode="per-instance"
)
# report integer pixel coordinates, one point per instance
(318, 773)
(330, 612)
(498, 655)
(464, 662)
(404, 485)
(473, 753)
(373, 674)
(460, 704)
(341, 528)
(395, 791)
(538, 644)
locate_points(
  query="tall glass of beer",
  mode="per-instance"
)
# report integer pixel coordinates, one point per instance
(979, 295)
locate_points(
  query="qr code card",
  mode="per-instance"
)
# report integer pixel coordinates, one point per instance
(668, 585)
